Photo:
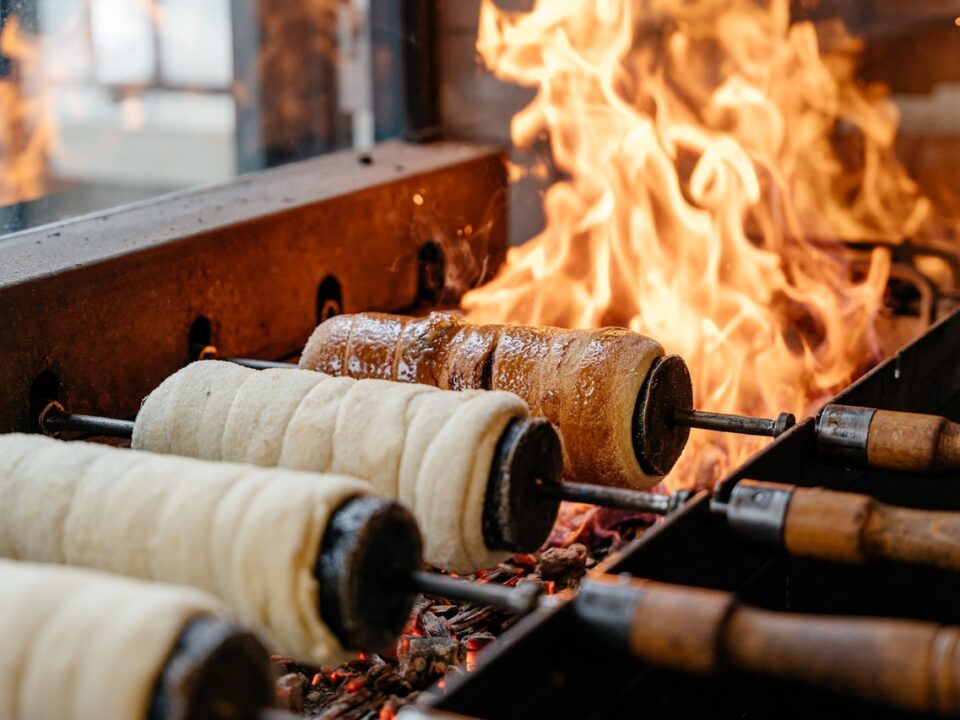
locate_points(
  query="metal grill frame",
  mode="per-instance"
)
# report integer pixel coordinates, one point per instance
(105, 303)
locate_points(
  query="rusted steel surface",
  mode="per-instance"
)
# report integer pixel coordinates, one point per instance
(106, 303)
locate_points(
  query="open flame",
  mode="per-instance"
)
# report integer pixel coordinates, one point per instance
(703, 196)
(26, 132)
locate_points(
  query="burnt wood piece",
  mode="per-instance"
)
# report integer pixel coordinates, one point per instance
(216, 671)
(290, 689)
(428, 657)
(565, 565)
(841, 526)
(908, 664)
(909, 443)
(103, 305)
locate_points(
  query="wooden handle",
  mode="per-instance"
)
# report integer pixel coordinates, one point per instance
(912, 665)
(852, 528)
(911, 443)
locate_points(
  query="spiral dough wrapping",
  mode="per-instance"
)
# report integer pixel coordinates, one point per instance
(248, 535)
(430, 449)
(79, 644)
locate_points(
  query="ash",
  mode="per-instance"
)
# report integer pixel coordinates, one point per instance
(444, 637)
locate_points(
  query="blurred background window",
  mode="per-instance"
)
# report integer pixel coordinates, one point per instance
(106, 102)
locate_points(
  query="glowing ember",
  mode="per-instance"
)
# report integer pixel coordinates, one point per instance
(703, 196)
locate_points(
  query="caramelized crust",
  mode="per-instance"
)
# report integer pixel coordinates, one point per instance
(586, 382)
(422, 347)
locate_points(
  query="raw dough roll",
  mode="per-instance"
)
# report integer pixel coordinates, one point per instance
(249, 536)
(585, 382)
(79, 644)
(430, 449)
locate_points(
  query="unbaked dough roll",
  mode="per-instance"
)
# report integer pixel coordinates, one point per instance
(379, 431)
(78, 644)
(254, 429)
(585, 382)
(248, 535)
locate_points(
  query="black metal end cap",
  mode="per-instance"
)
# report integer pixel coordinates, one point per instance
(216, 671)
(658, 440)
(369, 550)
(517, 514)
(606, 609)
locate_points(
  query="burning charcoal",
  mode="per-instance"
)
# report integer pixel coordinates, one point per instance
(434, 626)
(564, 565)
(472, 645)
(444, 610)
(469, 617)
(389, 710)
(290, 692)
(525, 560)
(531, 580)
(428, 657)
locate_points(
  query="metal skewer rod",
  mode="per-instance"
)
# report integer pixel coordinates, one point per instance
(520, 599)
(54, 419)
(741, 424)
(261, 364)
(619, 498)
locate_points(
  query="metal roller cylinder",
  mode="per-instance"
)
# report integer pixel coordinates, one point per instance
(518, 515)
(369, 551)
(658, 440)
(216, 671)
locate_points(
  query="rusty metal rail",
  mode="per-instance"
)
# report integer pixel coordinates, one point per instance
(96, 311)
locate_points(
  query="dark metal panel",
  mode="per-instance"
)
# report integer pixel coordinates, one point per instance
(106, 302)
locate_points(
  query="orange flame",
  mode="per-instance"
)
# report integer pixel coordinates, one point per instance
(26, 133)
(702, 188)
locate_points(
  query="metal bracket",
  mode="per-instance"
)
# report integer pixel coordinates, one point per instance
(757, 511)
(843, 431)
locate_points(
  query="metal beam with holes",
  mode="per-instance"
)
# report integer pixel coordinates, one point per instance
(101, 309)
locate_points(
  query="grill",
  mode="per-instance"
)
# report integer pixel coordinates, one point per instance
(817, 578)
